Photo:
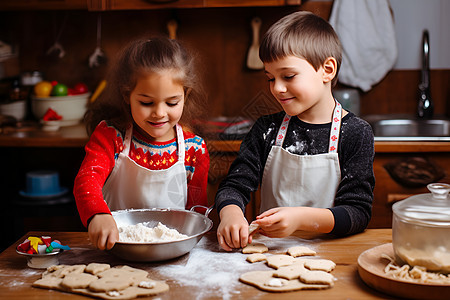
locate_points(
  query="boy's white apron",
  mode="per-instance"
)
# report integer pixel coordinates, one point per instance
(301, 180)
(132, 186)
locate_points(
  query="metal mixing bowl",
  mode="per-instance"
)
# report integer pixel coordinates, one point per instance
(187, 222)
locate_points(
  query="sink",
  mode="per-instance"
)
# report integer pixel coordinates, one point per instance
(406, 127)
(388, 128)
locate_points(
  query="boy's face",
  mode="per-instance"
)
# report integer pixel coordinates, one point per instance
(298, 87)
(157, 105)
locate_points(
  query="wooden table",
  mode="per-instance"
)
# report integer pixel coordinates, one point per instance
(16, 277)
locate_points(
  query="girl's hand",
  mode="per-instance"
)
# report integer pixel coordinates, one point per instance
(103, 231)
(233, 228)
(279, 222)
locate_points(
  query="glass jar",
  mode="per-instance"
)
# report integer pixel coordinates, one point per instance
(421, 229)
(31, 78)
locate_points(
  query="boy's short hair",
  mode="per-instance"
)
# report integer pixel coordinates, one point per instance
(305, 35)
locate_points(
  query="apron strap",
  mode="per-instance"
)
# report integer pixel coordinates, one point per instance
(127, 140)
(335, 128)
(181, 147)
(334, 132)
(282, 131)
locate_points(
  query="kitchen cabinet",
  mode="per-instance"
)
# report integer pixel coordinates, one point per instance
(43, 4)
(431, 155)
(143, 4)
(148, 4)
(103, 5)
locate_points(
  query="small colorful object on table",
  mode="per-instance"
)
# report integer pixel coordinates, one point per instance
(51, 121)
(42, 252)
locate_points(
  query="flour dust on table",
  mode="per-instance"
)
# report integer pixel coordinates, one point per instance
(218, 271)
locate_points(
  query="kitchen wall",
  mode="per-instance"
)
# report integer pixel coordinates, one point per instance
(221, 37)
(411, 18)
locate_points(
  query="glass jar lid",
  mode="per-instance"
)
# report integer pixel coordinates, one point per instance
(431, 209)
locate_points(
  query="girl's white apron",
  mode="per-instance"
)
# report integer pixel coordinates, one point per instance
(301, 180)
(132, 186)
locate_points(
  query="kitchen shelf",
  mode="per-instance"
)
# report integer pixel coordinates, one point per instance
(142, 4)
(76, 136)
(45, 4)
(69, 136)
(105, 5)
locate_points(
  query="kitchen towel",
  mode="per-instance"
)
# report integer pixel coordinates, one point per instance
(366, 30)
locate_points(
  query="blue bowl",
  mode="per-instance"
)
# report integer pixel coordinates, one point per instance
(43, 184)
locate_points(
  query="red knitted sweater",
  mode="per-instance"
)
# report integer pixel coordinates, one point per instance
(104, 147)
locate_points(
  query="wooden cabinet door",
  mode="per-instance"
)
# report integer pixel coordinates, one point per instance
(389, 190)
(43, 4)
(149, 4)
(242, 3)
(159, 4)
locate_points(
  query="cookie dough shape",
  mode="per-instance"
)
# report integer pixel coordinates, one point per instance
(128, 293)
(300, 251)
(316, 277)
(252, 228)
(111, 283)
(95, 268)
(61, 271)
(137, 282)
(290, 272)
(320, 265)
(77, 281)
(48, 282)
(255, 248)
(280, 260)
(255, 257)
(136, 275)
(261, 280)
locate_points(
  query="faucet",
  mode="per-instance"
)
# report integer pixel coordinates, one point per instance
(425, 106)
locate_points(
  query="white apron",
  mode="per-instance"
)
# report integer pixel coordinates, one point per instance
(132, 186)
(301, 180)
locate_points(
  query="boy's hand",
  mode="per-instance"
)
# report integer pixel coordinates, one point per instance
(103, 231)
(279, 222)
(233, 228)
(283, 221)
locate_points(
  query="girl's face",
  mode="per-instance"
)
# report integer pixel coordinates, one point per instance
(300, 89)
(157, 104)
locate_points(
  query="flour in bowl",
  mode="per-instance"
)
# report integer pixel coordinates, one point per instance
(141, 233)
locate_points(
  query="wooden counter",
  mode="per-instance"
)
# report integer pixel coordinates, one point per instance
(75, 136)
(67, 136)
(16, 277)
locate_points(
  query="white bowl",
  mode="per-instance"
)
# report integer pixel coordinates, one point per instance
(51, 125)
(16, 109)
(71, 108)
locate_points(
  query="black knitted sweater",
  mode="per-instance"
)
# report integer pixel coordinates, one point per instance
(352, 207)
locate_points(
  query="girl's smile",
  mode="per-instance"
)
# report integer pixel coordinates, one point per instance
(157, 124)
(157, 104)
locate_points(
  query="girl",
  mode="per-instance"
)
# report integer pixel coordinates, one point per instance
(138, 156)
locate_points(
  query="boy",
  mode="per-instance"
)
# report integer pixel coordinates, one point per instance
(314, 161)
